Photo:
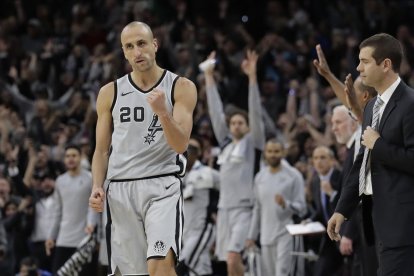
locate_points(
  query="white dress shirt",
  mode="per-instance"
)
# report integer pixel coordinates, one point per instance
(386, 96)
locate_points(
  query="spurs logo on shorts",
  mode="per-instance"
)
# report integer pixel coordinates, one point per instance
(159, 247)
(152, 130)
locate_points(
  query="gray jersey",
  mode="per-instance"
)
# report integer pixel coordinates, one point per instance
(71, 212)
(44, 218)
(269, 218)
(238, 162)
(139, 148)
(199, 234)
(196, 194)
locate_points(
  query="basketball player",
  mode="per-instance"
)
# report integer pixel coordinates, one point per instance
(279, 194)
(69, 223)
(239, 160)
(200, 199)
(144, 123)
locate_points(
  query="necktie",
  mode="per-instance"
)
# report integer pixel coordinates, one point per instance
(324, 197)
(365, 166)
(324, 201)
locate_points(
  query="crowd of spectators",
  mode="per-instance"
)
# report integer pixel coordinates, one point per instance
(56, 54)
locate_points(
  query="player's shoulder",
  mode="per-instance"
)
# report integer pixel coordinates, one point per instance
(261, 174)
(60, 177)
(86, 173)
(107, 90)
(106, 96)
(184, 84)
(291, 170)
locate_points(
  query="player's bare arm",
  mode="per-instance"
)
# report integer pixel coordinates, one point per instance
(322, 66)
(178, 125)
(103, 142)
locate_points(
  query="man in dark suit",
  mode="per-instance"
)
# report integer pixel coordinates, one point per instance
(325, 187)
(383, 171)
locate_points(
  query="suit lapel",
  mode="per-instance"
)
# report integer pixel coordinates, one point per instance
(391, 105)
(367, 115)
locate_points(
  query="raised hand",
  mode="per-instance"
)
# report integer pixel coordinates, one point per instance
(321, 64)
(312, 84)
(208, 65)
(351, 97)
(248, 65)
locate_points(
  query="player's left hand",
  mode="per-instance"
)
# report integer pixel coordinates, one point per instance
(369, 137)
(156, 99)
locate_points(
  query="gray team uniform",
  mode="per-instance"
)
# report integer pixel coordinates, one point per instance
(44, 218)
(199, 232)
(270, 219)
(144, 194)
(71, 199)
(238, 164)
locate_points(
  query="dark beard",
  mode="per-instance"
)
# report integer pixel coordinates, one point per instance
(43, 194)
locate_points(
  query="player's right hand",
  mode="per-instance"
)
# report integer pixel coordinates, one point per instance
(97, 198)
(49, 244)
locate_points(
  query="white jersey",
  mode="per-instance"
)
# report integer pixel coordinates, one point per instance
(139, 148)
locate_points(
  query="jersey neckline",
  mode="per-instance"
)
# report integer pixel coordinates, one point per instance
(131, 81)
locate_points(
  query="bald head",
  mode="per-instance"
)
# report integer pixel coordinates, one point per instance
(139, 25)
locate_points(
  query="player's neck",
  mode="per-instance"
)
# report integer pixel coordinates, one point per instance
(75, 171)
(275, 169)
(146, 80)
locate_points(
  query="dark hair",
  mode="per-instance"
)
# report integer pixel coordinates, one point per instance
(274, 140)
(29, 261)
(75, 147)
(385, 46)
(240, 112)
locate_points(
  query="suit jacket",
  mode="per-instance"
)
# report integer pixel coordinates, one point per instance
(392, 171)
(326, 246)
(316, 195)
(350, 228)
